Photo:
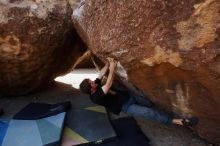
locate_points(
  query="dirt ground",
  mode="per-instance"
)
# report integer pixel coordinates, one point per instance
(160, 135)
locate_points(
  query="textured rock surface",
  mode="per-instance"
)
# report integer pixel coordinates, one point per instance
(74, 3)
(35, 36)
(169, 48)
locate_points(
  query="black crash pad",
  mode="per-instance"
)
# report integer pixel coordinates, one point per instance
(128, 133)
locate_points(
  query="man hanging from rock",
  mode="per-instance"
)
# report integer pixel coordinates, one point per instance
(115, 101)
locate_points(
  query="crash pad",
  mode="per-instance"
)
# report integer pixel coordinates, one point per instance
(87, 125)
(41, 132)
(128, 134)
(36, 110)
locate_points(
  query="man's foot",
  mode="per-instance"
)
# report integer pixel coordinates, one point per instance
(1, 111)
(190, 122)
(186, 122)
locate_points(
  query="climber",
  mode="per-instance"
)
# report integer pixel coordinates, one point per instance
(122, 100)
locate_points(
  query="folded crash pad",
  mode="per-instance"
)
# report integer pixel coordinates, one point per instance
(41, 132)
(87, 125)
(35, 111)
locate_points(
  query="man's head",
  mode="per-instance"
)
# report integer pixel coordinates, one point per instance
(88, 86)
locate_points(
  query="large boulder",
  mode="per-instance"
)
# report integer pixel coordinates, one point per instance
(37, 43)
(169, 48)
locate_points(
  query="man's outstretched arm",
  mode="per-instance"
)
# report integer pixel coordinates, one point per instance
(110, 78)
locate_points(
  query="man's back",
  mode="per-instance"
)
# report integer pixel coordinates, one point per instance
(112, 101)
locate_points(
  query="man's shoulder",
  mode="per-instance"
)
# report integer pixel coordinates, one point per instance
(98, 92)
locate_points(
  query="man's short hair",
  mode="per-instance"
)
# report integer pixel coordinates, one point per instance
(85, 86)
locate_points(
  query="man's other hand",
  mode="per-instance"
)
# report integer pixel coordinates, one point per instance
(112, 65)
(110, 59)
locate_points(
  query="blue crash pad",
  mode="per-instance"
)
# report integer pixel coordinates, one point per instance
(41, 132)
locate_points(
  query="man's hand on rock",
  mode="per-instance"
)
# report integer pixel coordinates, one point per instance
(110, 59)
(112, 65)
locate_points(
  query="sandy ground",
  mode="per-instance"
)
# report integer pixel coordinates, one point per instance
(159, 134)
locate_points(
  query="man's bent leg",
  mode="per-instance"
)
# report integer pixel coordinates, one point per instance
(147, 113)
(141, 99)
